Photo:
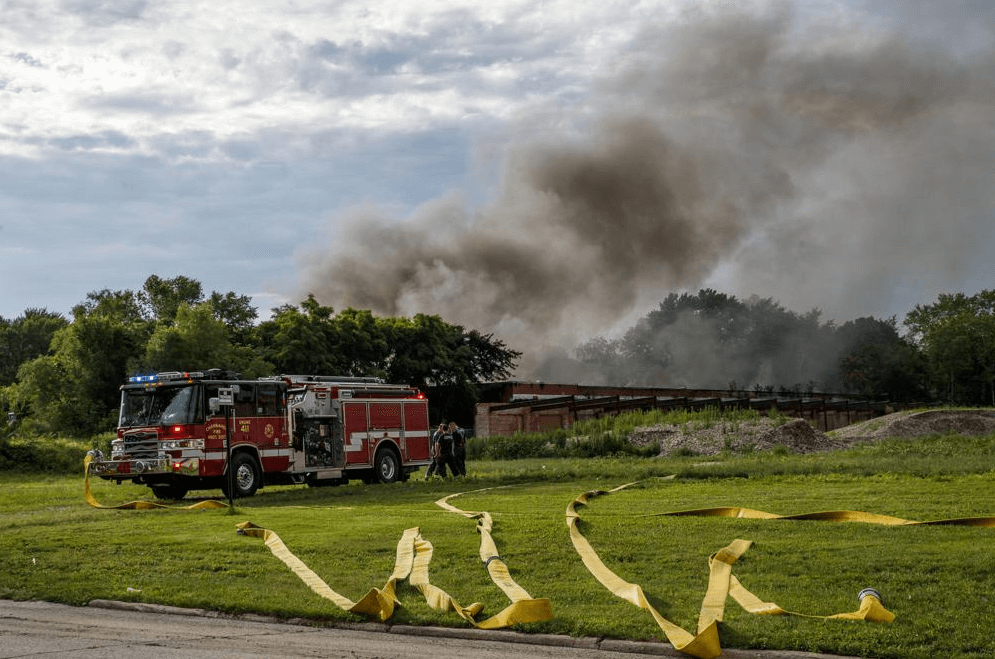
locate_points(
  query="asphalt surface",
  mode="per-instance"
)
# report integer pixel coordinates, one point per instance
(107, 629)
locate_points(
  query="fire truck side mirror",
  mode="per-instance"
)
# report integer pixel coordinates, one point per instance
(214, 406)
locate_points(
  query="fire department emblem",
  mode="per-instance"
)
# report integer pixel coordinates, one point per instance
(268, 431)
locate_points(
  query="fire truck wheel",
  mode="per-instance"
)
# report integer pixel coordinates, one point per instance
(246, 476)
(176, 492)
(387, 465)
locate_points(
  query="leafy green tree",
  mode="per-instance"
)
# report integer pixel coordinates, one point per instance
(41, 396)
(444, 360)
(709, 338)
(424, 351)
(75, 389)
(296, 340)
(878, 362)
(198, 340)
(237, 313)
(490, 358)
(160, 299)
(957, 336)
(447, 361)
(961, 350)
(123, 305)
(26, 337)
(359, 341)
(923, 317)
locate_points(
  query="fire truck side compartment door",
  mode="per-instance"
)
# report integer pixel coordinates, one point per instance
(416, 430)
(385, 420)
(356, 433)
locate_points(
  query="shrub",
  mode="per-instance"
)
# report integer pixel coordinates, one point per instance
(48, 453)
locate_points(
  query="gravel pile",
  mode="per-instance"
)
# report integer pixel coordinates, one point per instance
(916, 424)
(799, 436)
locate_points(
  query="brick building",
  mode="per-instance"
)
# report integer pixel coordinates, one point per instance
(509, 407)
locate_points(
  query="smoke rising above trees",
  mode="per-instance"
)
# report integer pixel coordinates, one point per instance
(714, 340)
(819, 164)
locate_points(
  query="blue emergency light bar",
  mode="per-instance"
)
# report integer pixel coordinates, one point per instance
(167, 375)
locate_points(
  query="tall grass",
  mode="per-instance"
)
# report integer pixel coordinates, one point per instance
(54, 454)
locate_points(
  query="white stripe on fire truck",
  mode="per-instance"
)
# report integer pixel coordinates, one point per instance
(265, 452)
(356, 439)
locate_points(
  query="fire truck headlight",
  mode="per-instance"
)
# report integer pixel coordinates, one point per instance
(175, 444)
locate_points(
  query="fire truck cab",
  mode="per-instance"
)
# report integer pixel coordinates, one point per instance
(184, 431)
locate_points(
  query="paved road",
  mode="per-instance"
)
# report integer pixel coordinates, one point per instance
(43, 629)
(119, 630)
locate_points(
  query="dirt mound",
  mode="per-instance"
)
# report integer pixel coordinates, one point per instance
(762, 434)
(919, 423)
(798, 435)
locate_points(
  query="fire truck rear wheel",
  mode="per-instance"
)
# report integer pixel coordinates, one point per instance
(387, 465)
(246, 476)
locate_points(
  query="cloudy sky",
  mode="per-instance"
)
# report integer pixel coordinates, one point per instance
(537, 169)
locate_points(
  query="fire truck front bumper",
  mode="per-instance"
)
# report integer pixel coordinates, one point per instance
(120, 469)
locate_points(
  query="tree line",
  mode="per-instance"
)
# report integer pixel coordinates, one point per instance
(60, 375)
(944, 351)
(63, 376)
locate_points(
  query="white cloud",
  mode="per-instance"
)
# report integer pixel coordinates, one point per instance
(230, 68)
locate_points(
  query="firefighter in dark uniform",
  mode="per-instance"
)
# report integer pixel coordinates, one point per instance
(438, 467)
(447, 453)
(459, 447)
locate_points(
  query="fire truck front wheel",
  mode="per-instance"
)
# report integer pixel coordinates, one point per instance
(387, 465)
(246, 476)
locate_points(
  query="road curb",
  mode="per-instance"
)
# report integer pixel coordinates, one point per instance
(658, 648)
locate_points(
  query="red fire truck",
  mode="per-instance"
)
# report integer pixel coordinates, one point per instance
(176, 432)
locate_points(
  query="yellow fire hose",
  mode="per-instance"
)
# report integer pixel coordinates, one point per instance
(137, 505)
(414, 554)
(829, 516)
(722, 583)
(523, 608)
(376, 602)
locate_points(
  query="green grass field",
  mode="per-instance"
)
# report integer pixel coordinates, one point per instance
(939, 581)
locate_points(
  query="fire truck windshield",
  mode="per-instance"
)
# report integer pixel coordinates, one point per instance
(159, 406)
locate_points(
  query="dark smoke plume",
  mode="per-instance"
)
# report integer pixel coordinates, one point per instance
(575, 233)
(823, 166)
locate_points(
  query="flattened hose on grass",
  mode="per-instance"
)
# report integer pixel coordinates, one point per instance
(830, 516)
(721, 584)
(138, 505)
(379, 602)
(414, 554)
(523, 607)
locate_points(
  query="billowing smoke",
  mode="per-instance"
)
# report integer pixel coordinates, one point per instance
(820, 165)
(574, 235)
